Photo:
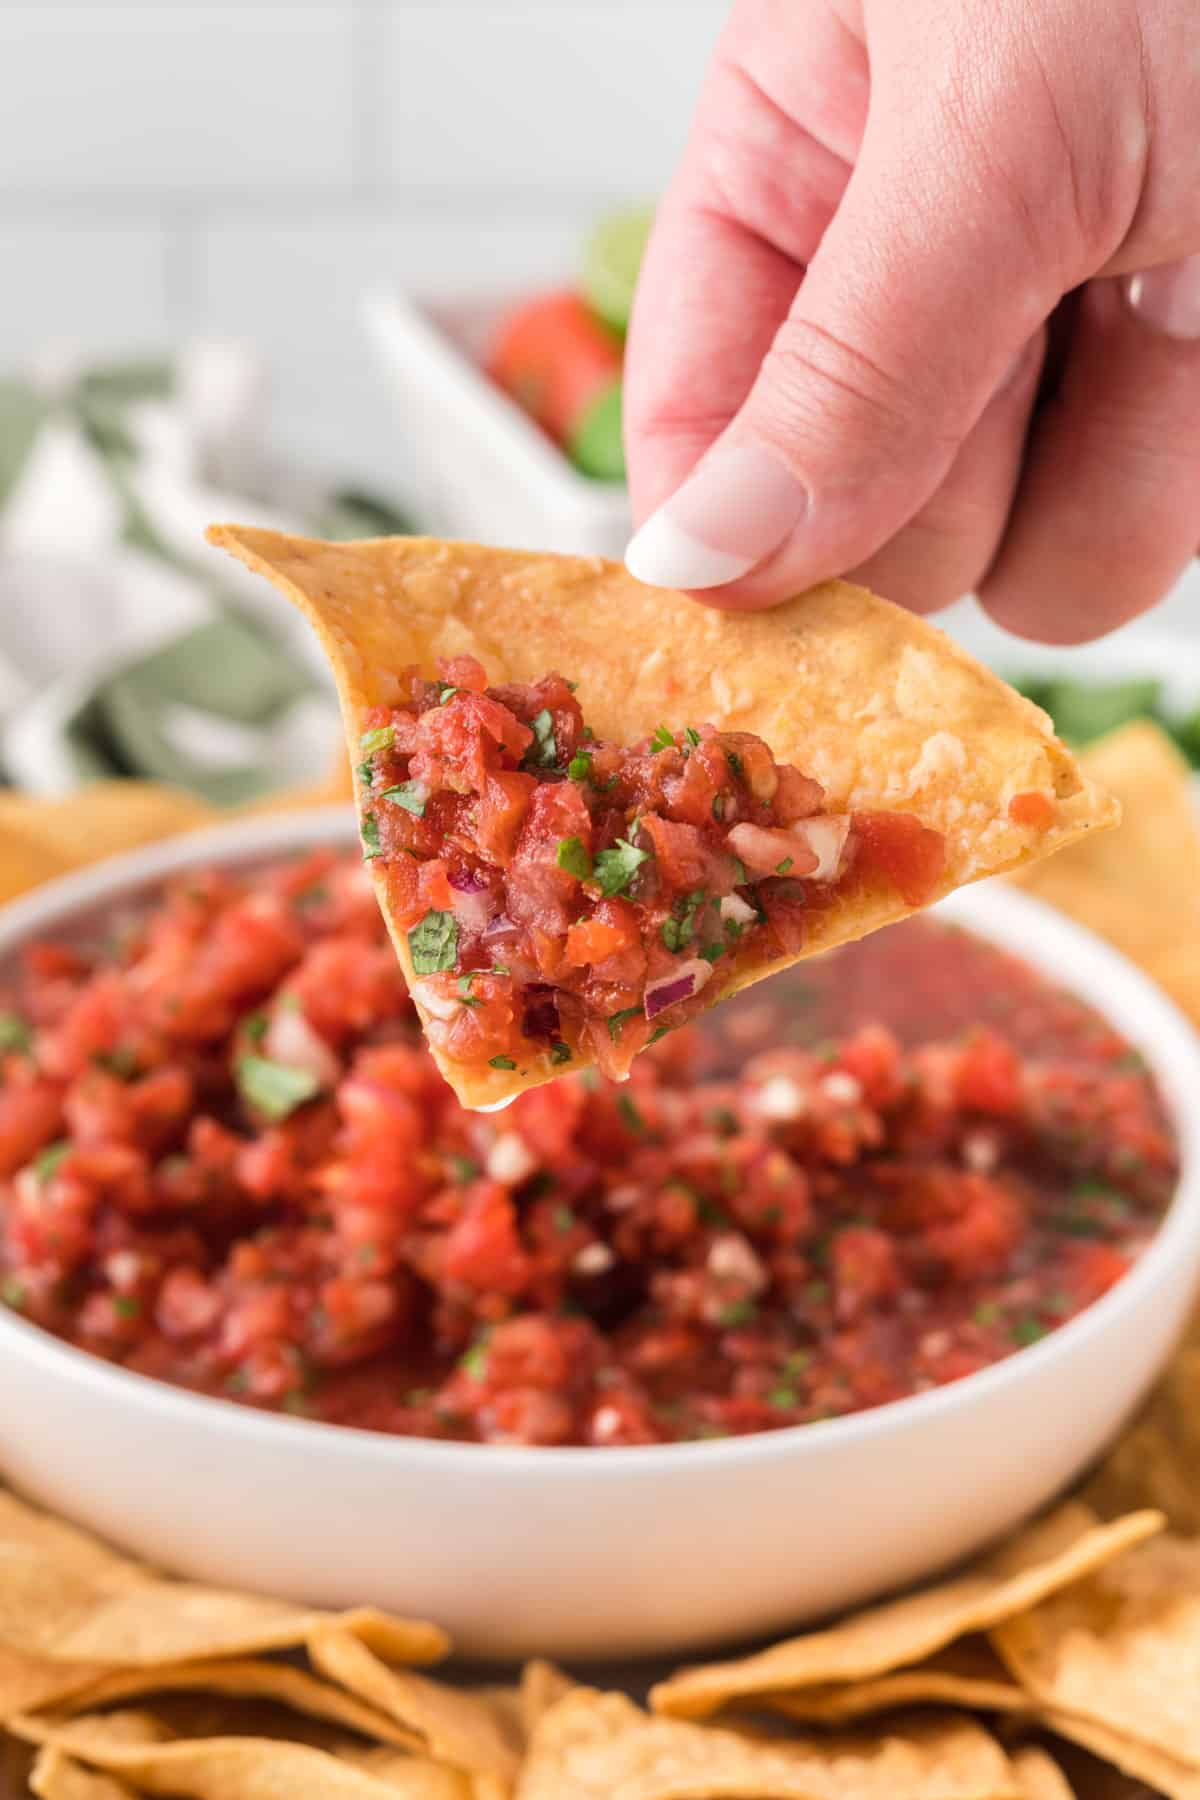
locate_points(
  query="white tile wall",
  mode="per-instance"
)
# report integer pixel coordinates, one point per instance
(249, 166)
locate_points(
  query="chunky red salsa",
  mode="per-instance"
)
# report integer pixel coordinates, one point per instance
(227, 1160)
(570, 899)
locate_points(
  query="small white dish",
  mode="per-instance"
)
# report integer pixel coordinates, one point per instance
(581, 1552)
(485, 472)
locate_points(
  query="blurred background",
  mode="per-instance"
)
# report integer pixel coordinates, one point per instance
(346, 266)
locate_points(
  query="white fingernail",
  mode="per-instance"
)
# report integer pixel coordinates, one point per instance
(734, 510)
(665, 555)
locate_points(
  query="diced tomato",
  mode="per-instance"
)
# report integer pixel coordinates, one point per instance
(1034, 809)
(899, 849)
(555, 359)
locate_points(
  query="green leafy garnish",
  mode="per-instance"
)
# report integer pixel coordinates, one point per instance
(617, 1020)
(382, 738)
(564, 1219)
(1028, 1331)
(543, 752)
(366, 773)
(712, 952)
(572, 856)
(580, 766)
(741, 877)
(678, 931)
(692, 736)
(464, 1167)
(46, 1162)
(783, 867)
(447, 691)
(630, 1116)
(14, 1032)
(411, 795)
(616, 868)
(126, 1306)
(738, 1312)
(783, 1396)
(655, 1035)
(12, 1292)
(474, 1360)
(662, 740)
(274, 1088)
(986, 1313)
(501, 1062)
(560, 1052)
(120, 1061)
(464, 989)
(735, 763)
(370, 837)
(433, 943)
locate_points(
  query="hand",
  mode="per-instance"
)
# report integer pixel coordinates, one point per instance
(841, 326)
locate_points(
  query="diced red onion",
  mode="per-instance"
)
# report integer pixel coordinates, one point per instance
(826, 838)
(763, 847)
(736, 910)
(679, 985)
(466, 881)
(474, 909)
(502, 930)
(541, 1012)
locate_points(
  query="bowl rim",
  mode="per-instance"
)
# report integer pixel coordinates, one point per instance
(996, 911)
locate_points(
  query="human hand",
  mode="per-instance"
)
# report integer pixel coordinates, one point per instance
(841, 326)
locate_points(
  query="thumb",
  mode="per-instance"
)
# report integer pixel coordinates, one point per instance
(916, 306)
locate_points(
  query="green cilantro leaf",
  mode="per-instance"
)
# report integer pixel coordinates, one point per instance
(370, 837)
(1028, 1331)
(783, 867)
(126, 1306)
(580, 766)
(738, 1312)
(501, 1062)
(474, 1361)
(433, 943)
(14, 1032)
(12, 1293)
(255, 1026)
(735, 763)
(662, 740)
(46, 1162)
(411, 795)
(712, 952)
(464, 1167)
(560, 1052)
(382, 738)
(654, 1036)
(273, 1088)
(692, 736)
(617, 1020)
(543, 752)
(572, 856)
(631, 1118)
(616, 868)
(446, 692)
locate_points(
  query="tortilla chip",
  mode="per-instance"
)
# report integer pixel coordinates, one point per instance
(1140, 885)
(1155, 1461)
(965, 1674)
(453, 1725)
(136, 1747)
(593, 1746)
(28, 1683)
(1055, 1550)
(1140, 1761)
(881, 707)
(247, 1679)
(57, 1777)
(1038, 1775)
(25, 860)
(66, 1597)
(1122, 1648)
(101, 819)
(543, 1685)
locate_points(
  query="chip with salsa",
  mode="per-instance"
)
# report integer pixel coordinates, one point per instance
(592, 809)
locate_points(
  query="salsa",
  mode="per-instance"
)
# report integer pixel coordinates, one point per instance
(567, 900)
(228, 1161)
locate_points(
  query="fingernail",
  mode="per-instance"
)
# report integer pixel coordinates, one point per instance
(1168, 299)
(733, 511)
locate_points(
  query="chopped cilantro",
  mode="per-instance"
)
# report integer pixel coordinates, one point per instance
(740, 876)
(274, 1088)
(718, 806)
(411, 795)
(616, 868)
(14, 1032)
(795, 1363)
(735, 763)
(679, 930)
(543, 752)
(126, 1306)
(46, 1162)
(560, 1052)
(631, 1118)
(382, 738)
(662, 740)
(1027, 1331)
(738, 1312)
(692, 736)
(501, 1062)
(12, 1293)
(986, 1313)
(710, 1213)
(783, 1396)
(783, 867)
(120, 1061)
(564, 1219)
(580, 766)
(370, 837)
(464, 1168)
(446, 691)
(1077, 1225)
(433, 943)
(474, 1361)
(366, 773)
(572, 856)
(1131, 1062)
(817, 1291)
(618, 1019)
(572, 687)
(712, 952)
(655, 1035)
(723, 1121)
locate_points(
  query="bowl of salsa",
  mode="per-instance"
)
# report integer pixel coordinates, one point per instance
(841, 1282)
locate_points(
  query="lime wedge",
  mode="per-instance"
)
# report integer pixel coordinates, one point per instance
(611, 260)
(595, 446)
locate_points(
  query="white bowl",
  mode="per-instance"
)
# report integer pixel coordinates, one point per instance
(486, 472)
(584, 1552)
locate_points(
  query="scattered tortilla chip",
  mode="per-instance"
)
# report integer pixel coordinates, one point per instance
(1055, 1550)
(1156, 1461)
(135, 1747)
(594, 1746)
(66, 1597)
(28, 1683)
(58, 1777)
(101, 819)
(1038, 1775)
(965, 1674)
(1140, 885)
(543, 1685)
(453, 1725)
(25, 860)
(1140, 1761)
(881, 707)
(247, 1679)
(1121, 1648)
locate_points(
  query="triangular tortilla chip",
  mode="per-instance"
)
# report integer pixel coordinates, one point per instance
(967, 1673)
(877, 705)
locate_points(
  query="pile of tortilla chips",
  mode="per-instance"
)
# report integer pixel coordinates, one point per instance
(1067, 1653)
